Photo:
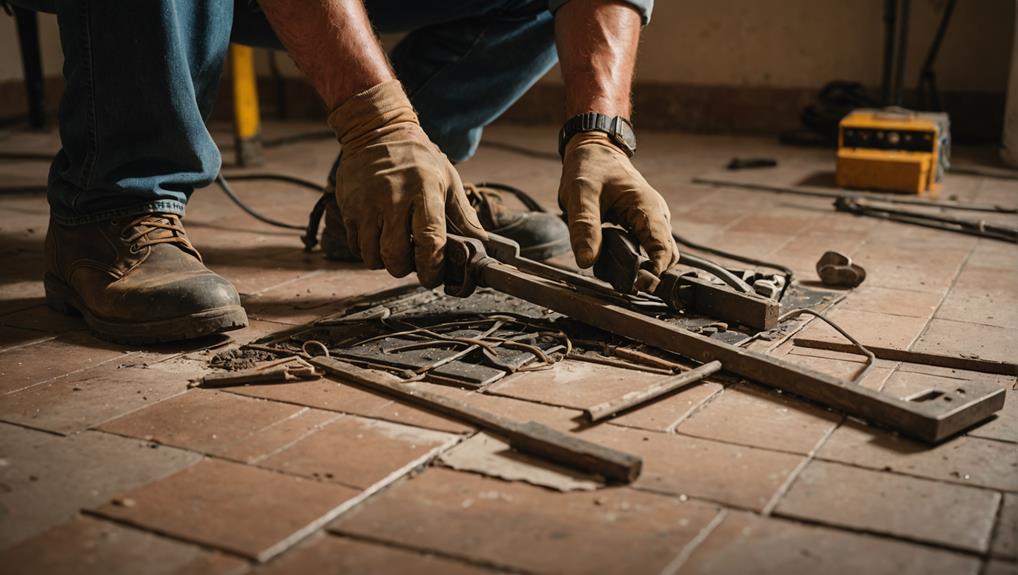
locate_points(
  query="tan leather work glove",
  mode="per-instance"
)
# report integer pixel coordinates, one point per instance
(599, 183)
(396, 190)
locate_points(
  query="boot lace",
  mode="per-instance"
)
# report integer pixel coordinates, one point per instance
(152, 229)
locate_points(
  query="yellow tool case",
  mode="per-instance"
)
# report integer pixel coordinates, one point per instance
(893, 150)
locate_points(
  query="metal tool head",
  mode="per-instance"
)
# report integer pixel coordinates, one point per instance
(462, 254)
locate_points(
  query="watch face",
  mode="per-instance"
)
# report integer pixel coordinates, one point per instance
(623, 135)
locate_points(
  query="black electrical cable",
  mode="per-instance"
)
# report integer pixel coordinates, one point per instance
(221, 181)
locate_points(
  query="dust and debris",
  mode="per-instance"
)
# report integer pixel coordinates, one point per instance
(238, 359)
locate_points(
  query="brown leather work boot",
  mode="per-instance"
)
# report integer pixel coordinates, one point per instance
(137, 281)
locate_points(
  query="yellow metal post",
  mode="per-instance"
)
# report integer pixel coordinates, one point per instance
(246, 118)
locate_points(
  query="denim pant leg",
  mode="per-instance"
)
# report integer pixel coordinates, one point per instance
(464, 62)
(140, 79)
(463, 73)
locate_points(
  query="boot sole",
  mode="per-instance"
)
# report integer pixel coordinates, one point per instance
(63, 299)
(546, 251)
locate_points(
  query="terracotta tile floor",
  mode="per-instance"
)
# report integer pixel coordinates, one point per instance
(109, 464)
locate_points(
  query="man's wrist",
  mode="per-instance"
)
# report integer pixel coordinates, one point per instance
(617, 128)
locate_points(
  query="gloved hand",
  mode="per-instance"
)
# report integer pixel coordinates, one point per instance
(396, 190)
(599, 183)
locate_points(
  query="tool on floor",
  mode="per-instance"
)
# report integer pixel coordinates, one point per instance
(623, 266)
(893, 149)
(835, 269)
(966, 363)
(980, 228)
(634, 398)
(530, 437)
(468, 266)
(284, 370)
(834, 194)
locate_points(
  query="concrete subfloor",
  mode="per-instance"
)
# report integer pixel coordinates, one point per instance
(109, 464)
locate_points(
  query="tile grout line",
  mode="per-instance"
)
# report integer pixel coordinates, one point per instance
(687, 551)
(465, 560)
(881, 535)
(794, 475)
(954, 281)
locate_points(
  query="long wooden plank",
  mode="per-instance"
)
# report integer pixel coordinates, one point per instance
(528, 437)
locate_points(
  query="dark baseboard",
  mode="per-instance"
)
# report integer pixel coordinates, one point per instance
(976, 117)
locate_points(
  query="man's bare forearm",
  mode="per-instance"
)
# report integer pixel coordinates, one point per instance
(332, 43)
(597, 41)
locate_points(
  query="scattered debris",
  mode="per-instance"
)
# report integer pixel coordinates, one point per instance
(241, 358)
(283, 370)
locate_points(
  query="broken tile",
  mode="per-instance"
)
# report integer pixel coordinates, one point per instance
(579, 532)
(749, 415)
(876, 329)
(965, 460)
(332, 554)
(245, 510)
(747, 543)
(1005, 536)
(491, 456)
(575, 384)
(957, 338)
(211, 422)
(88, 398)
(946, 514)
(47, 478)
(26, 366)
(359, 452)
(743, 477)
(85, 545)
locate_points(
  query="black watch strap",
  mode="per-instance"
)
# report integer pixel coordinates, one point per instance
(619, 130)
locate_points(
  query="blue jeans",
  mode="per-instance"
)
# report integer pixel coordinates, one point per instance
(141, 77)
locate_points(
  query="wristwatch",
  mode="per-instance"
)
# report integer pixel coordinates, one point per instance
(619, 131)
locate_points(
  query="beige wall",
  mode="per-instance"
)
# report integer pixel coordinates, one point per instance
(771, 43)
(804, 43)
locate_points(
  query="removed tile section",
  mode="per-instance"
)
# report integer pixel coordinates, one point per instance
(47, 479)
(359, 452)
(746, 543)
(491, 456)
(950, 515)
(249, 511)
(965, 460)
(86, 546)
(461, 514)
(331, 554)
